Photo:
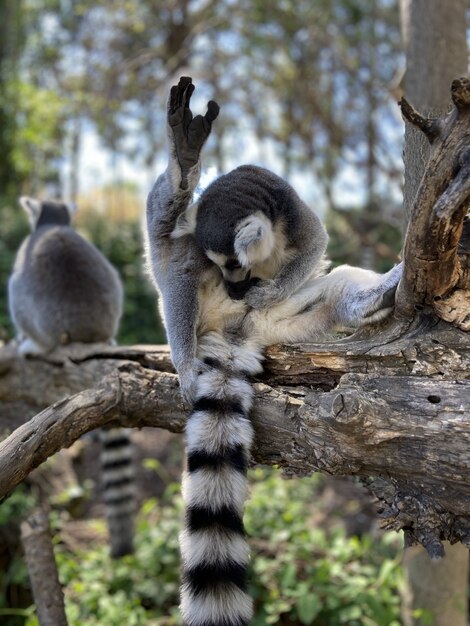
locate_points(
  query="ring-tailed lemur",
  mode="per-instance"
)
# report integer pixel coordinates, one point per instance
(240, 270)
(63, 290)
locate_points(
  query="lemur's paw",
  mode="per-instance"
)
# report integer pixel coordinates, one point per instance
(29, 347)
(189, 134)
(392, 278)
(388, 298)
(265, 294)
(375, 304)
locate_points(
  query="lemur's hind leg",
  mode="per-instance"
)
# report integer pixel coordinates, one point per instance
(368, 297)
(303, 316)
(29, 347)
(348, 296)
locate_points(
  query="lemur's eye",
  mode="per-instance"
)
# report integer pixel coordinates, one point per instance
(232, 264)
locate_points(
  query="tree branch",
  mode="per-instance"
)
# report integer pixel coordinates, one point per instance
(42, 570)
(347, 418)
(460, 92)
(429, 126)
(458, 191)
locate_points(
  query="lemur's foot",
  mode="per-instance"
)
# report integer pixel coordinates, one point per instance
(373, 304)
(29, 347)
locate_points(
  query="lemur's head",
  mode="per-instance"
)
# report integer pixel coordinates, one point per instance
(233, 223)
(46, 212)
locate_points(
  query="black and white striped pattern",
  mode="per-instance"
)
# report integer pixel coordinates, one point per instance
(117, 475)
(213, 546)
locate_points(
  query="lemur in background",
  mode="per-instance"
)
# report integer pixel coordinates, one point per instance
(63, 290)
(241, 269)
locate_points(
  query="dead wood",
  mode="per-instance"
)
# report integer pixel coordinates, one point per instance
(432, 265)
(396, 411)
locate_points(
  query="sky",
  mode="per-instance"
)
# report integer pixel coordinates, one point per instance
(98, 168)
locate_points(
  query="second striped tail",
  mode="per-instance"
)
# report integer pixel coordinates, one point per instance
(118, 488)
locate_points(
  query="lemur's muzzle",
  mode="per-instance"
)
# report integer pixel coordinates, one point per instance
(237, 290)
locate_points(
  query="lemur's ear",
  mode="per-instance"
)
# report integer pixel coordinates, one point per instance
(186, 222)
(254, 239)
(32, 207)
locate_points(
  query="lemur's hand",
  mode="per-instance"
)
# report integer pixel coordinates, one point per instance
(264, 294)
(189, 134)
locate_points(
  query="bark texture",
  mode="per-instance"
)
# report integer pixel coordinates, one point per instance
(393, 406)
(435, 35)
(433, 269)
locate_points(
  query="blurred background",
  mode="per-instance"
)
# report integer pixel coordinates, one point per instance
(307, 89)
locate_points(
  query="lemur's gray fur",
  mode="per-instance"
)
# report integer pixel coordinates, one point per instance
(62, 290)
(240, 270)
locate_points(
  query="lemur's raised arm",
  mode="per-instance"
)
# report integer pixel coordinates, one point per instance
(177, 264)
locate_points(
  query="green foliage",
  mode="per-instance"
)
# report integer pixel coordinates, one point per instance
(138, 590)
(13, 229)
(304, 575)
(352, 230)
(13, 574)
(16, 506)
(425, 617)
(301, 574)
(11, 44)
(39, 135)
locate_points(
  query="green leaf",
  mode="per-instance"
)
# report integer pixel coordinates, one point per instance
(386, 569)
(308, 607)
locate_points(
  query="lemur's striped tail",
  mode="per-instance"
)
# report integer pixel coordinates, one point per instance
(219, 434)
(118, 488)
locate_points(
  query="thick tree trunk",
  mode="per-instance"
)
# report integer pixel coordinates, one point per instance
(434, 34)
(436, 590)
